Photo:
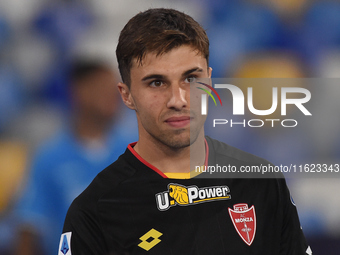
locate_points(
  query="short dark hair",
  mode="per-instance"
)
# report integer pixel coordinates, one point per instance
(157, 30)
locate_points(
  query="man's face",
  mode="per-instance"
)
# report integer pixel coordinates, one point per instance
(160, 94)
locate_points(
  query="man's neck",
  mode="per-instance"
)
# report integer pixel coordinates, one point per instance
(169, 160)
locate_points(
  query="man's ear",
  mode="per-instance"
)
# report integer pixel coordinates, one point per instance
(125, 93)
(209, 71)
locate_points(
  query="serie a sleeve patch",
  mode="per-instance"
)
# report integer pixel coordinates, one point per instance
(65, 244)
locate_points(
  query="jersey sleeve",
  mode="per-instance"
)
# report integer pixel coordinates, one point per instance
(82, 233)
(293, 241)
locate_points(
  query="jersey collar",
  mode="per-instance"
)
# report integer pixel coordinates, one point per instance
(131, 149)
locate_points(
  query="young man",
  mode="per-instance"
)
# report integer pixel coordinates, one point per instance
(146, 202)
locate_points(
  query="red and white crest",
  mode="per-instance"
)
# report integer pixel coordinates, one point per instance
(244, 221)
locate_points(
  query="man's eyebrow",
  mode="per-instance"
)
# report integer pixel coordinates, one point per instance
(196, 69)
(162, 77)
(153, 76)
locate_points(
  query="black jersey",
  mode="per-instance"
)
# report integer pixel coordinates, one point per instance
(132, 208)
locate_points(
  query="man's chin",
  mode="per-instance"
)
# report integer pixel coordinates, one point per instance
(181, 143)
(178, 144)
(187, 140)
(178, 139)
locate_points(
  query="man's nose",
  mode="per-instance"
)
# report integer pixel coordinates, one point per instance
(178, 97)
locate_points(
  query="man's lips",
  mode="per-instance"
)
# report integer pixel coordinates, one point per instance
(178, 122)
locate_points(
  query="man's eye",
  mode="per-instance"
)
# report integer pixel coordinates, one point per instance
(190, 79)
(156, 83)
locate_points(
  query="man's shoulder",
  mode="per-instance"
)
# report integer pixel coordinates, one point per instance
(226, 161)
(221, 150)
(106, 180)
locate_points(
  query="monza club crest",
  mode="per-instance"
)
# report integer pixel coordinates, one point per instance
(244, 220)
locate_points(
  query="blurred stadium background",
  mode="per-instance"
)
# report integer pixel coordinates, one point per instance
(286, 38)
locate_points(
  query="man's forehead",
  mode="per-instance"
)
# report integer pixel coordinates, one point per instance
(151, 56)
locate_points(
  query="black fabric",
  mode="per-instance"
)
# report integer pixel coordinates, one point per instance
(121, 205)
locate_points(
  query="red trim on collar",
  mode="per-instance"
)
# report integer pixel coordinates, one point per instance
(130, 147)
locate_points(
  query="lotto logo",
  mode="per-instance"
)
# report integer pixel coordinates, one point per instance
(146, 243)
